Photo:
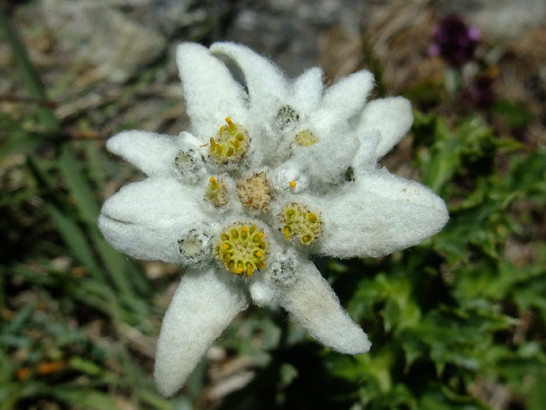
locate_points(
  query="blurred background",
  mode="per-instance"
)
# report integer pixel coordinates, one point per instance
(457, 322)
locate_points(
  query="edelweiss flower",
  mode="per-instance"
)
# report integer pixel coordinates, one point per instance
(273, 172)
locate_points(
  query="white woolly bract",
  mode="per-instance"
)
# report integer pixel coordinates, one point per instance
(201, 308)
(314, 304)
(319, 191)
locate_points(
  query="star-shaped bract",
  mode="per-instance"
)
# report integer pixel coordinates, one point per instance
(273, 172)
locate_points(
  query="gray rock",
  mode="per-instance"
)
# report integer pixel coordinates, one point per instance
(288, 30)
(98, 33)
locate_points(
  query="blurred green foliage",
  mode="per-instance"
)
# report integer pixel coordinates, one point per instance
(456, 322)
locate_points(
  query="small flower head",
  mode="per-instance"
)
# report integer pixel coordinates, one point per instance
(299, 221)
(195, 246)
(230, 143)
(254, 192)
(188, 164)
(216, 192)
(242, 248)
(286, 117)
(305, 138)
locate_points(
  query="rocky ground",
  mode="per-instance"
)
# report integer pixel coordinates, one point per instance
(89, 51)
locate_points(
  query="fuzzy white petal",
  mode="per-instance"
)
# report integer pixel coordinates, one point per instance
(203, 305)
(366, 158)
(315, 306)
(378, 214)
(210, 91)
(307, 91)
(262, 291)
(265, 82)
(146, 219)
(328, 159)
(343, 100)
(152, 153)
(391, 116)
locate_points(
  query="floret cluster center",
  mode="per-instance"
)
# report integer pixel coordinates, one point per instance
(230, 144)
(299, 221)
(254, 192)
(242, 248)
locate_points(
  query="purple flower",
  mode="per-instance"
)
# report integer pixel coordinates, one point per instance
(455, 42)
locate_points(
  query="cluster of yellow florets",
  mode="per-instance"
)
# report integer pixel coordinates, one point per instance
(230, 144)
(216, 192)
(242, 248)
(299, 221)
(305, 138)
